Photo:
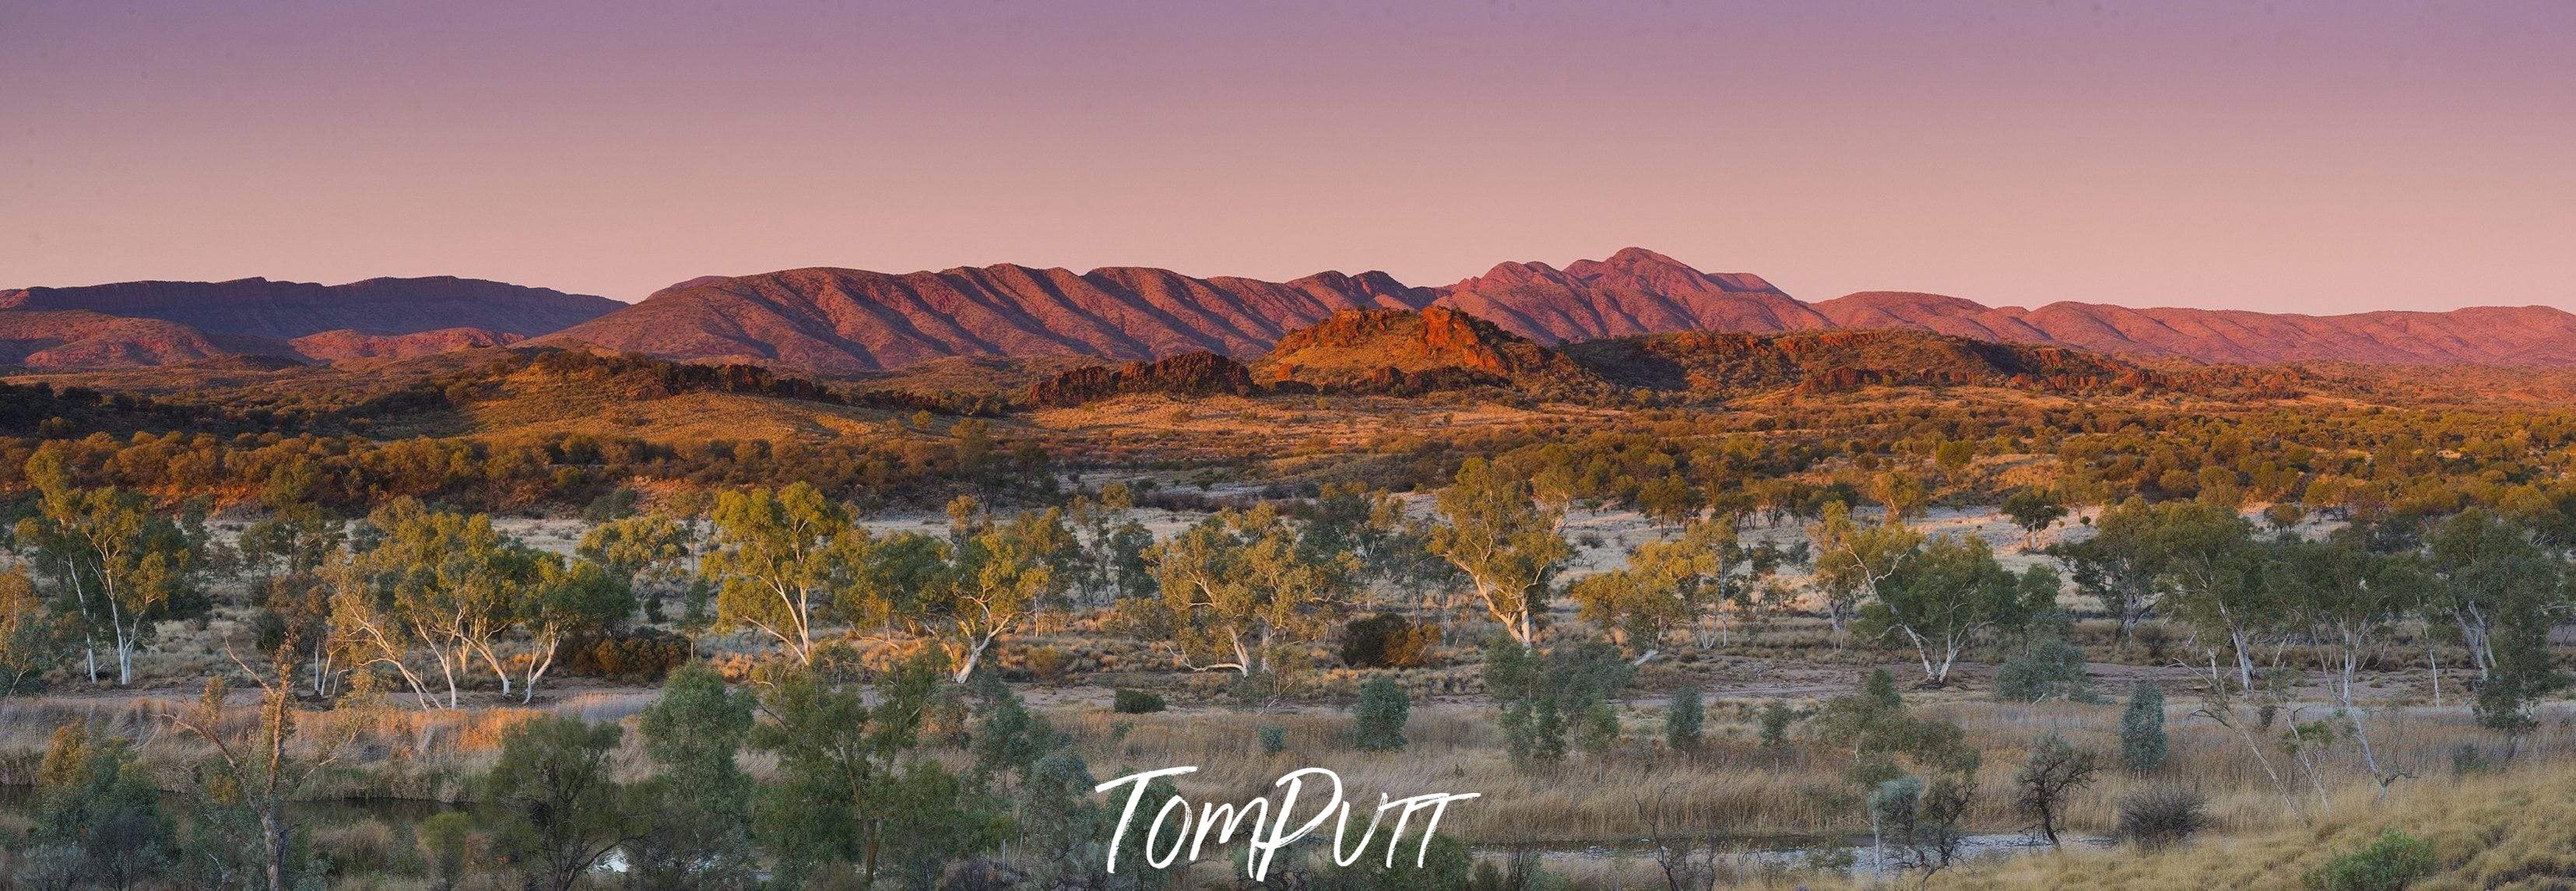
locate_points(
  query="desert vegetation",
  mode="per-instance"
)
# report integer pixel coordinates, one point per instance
(1951, 630)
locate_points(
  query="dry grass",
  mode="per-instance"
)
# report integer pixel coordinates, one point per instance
(1732, 787)
(2511, 829)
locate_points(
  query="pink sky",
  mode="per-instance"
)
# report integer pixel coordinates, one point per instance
(2293, 156)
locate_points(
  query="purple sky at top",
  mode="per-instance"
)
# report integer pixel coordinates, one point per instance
(2289, 156)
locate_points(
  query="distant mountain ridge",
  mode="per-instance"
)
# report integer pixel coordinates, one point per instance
(150, 323)
(850, 322)
(845, 321)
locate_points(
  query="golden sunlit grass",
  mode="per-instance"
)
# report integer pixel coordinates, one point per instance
(2510, 829)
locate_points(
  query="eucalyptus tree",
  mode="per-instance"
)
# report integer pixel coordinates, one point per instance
(1946, 593)
(1504, 542)
(2118, 565)
(565, 599)
(782, 561)
(1666, 586)
(1240, 582)
(445, 583)
(122, 564)
(997, 577)
(2488, 570)
(2346, 598)
(2209, 568)
(1855, 559)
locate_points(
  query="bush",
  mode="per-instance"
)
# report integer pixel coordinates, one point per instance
(1564, 697)
(2155, 818)
(1682, 720)
(1387, 640)
(1135, 702)
(2142, 729)
(2388, 863)
(645, 654)
(1048, 665)
(1776, 718)
(1379, 718)
(1274, 739)
(2052, 670)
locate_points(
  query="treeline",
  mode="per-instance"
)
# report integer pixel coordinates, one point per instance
(560, 471)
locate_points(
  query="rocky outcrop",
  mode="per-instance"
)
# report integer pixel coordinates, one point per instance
(1189, 374)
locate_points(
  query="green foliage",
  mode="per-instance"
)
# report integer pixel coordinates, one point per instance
(2054, 669)
(98, 817)
(838, 781)
(1564, 696)
(2390, 862)
(31, 642)
(1378, 720)
(1775, 719)
(447, 841)
(1854, 559)
(1942, 594)
(1682, 718)
(1135, 702)
(2034, 510)
(1503, 541)
(1030, 786)
(695, 813)
(552, 801)
(783, 562)
(1274, 739)
(2142, 729)
(1240, 583)
(1387, 640)
(1875, 723)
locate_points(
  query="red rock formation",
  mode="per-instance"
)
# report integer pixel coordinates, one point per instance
(1188, 374)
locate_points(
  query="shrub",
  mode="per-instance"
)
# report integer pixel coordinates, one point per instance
(2166, 815)
(1549, 700)
(2142, 729)
(1682, 720)
(1048, 664)
(2051, 670)
(1274, 739)
(1135, 702)
(1379, 718)
(1387, 640)
(2388, 863)
(645, 654)
(1776, 718)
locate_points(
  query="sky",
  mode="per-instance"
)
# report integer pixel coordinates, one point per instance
(2284, 156)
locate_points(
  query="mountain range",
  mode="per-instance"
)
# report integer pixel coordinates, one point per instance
(847, 322)
(136, 324)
